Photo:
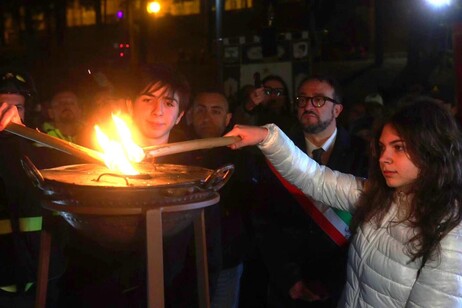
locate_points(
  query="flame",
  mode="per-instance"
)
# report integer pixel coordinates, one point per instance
(119, 150)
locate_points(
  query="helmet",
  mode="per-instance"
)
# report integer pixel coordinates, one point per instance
(12, 82)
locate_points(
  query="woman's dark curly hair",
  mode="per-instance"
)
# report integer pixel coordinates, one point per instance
(434, 144)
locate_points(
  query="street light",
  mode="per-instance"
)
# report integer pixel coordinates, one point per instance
(153, 7)
(439, 3)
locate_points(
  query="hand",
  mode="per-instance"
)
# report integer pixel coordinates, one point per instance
(256, 97)
(8, 113)
(250, 135)
(315, 292)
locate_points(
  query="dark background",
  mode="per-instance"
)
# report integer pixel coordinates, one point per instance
(392, 44)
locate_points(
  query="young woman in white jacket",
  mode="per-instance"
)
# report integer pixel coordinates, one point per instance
(406, 244)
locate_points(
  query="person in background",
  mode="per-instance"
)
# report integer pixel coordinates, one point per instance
(15, 91)
(374, 105)
(363, 115)
(65, 116)
(237, 101)
(445, 94)
(20, 203)
(157, 109)
(303, 243)
(210, 117)
(105, 103)
(407, 217)
(268, 103)
(157, 106)
(209, 114)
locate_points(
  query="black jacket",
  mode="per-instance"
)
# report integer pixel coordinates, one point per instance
(292, 245)
(235, 200)
(20, 199)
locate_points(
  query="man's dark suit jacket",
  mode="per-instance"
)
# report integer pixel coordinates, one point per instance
(292, 245)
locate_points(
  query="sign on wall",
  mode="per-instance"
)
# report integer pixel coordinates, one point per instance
(243, 56)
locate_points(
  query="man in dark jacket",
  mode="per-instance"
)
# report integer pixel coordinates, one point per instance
(210, 117)
(304, 243)
(20, 208)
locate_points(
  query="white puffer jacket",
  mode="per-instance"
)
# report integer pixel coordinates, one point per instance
(380, 273)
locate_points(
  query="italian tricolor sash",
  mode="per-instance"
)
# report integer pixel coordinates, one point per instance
(332, 221)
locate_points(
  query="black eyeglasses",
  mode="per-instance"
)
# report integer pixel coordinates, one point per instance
(275, 91)
(317, 101)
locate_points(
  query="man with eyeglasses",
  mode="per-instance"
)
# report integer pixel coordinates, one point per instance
(267, 103)
(304, 245)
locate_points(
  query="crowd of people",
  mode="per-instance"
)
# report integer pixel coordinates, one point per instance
(357, 208)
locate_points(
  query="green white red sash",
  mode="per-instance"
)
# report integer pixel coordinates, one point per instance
(332, 221)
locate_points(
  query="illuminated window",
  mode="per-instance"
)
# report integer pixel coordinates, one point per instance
(189, 7)
(78, 15)
(186, 8)
(238, 4)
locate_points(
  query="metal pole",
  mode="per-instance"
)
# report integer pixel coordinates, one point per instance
(378, 22)
(219, 8)
(132, 33)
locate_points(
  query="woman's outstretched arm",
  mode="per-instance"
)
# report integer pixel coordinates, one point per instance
(319, 182)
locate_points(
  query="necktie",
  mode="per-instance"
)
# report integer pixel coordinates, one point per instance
(317, 155)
